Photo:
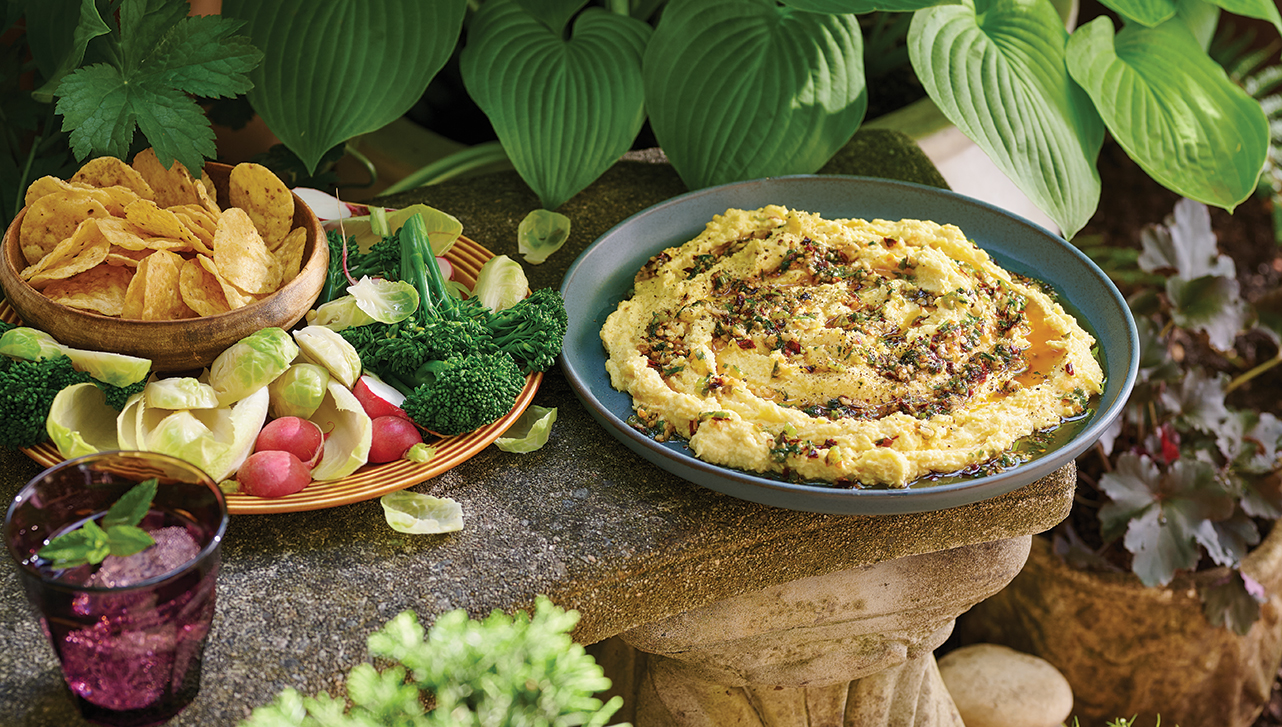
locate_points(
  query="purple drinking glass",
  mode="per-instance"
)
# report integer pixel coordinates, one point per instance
(130, 632)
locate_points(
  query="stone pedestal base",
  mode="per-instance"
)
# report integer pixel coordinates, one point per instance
(851, 648)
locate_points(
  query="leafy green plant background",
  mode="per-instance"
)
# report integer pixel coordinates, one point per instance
(733, 89)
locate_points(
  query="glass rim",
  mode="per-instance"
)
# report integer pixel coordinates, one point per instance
(204, 554)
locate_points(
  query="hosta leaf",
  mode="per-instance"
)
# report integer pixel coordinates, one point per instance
(996, 70)
(1173, 109)
(1185, 243)
(552, 13)
(859, 7)
(1262, 9)
(777, 91)
(335, 70)
(48, 20)
(564, 109)
(1211, 304)
(1144, 12)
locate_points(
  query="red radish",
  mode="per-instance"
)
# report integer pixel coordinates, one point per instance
(393, 436)
(295, 435)
(273, 473)
(378, 398)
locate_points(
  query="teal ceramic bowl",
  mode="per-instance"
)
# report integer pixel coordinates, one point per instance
(602, 275)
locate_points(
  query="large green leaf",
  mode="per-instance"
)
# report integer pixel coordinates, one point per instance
(565, 110)
(1144, 12)
(859, 7)
(1173, 109)
(1262, 9)
(739, 89)
(334, 70)
(996, 70)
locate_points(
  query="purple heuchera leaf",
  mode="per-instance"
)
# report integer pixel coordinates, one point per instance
(1185, 244)
(1163, 513)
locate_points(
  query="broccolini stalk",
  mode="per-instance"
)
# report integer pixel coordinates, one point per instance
(420, 269)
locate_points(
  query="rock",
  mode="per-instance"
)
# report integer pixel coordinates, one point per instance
(996, 686)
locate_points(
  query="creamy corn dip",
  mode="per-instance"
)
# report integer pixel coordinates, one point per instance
(849, 351)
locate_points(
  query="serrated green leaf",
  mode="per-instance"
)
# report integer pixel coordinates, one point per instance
(1172, 108)
(1198, 402)
(1227, 541)
(564, 109)
(725, 122)
(1145, 12)
(96, 110)
(124, 540)
(996, 70)
(174, 124)
(1212, 304)
(143, 23)
(132, 506)
(334, 70)
(203, 56)
(1131, 488)
(859, 7)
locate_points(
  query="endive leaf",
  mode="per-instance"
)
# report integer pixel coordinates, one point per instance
(996, 70)
(564, 109)
(739, 89)
(1173, 109)
(334, 70)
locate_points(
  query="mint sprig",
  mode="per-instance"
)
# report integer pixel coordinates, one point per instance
(118, 534)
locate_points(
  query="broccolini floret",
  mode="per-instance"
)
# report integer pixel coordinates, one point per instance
(27, 390)
(464, 393)
(532, 330)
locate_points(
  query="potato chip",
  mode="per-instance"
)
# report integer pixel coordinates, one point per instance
(53, 218)
(266, 199)
(108, 171)
(48, 185)
(116, 198)
(241, 255)
(84, 249)
(153, 291)
(201, 289)
(152, 221)
(122, 233)
(100, 290)
(197, 228)
(211, 192)
(117, 255)
(290, 254)
(171, 186)
(235, 297)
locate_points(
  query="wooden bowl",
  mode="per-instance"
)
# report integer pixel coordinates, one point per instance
(173, 346)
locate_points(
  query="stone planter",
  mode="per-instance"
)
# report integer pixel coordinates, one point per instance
(1130, 650)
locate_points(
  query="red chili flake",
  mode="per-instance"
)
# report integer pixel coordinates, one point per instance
(746, 343)
(1068, 368)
